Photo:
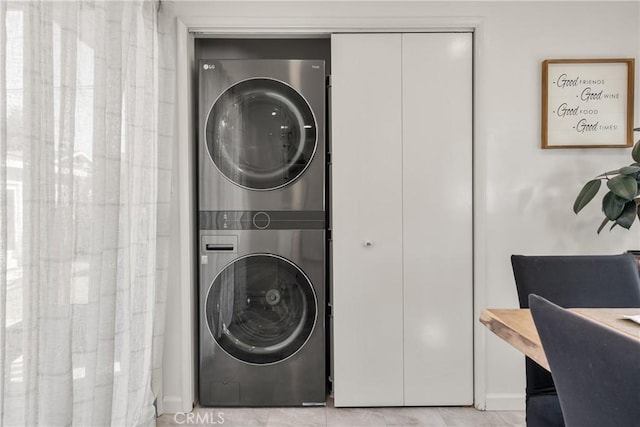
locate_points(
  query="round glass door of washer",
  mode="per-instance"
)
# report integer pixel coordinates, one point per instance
(261, 309)
(261, 134)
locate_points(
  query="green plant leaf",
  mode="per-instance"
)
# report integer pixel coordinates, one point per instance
(615, 172)
(628, 215)
(635, 153)
(629, 170)
(612, 205)
(623, 186)
(587, 194)
(604, 222)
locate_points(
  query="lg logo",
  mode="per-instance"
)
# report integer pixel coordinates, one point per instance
(209, 67)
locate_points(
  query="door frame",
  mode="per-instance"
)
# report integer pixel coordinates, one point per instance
(298, 27)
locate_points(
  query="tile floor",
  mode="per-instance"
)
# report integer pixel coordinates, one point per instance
(344, 417)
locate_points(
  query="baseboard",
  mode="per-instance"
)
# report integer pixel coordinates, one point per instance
(505, 402)
(173, 405)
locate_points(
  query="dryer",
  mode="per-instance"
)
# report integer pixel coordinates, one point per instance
(262, 299)
(261, 135)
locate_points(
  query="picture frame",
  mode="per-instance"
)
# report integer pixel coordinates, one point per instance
(587, 103)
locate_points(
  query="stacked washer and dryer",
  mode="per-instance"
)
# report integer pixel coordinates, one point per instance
(261, 185)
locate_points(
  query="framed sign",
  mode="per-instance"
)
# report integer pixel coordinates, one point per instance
(587, 103)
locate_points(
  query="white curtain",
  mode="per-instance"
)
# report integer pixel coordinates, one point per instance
(86, 125)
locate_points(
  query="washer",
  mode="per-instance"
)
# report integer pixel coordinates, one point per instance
(261, 135)
(262, 299)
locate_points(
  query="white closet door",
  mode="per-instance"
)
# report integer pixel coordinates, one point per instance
(437, 218)
(367, 219)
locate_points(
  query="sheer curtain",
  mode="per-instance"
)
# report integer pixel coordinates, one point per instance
(86, 124)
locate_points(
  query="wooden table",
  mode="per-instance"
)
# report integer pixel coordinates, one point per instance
(516, 327)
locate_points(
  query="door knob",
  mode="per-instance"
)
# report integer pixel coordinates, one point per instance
(368, 243)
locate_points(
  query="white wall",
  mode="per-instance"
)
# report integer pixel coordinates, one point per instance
(529, 192)
(523, 195)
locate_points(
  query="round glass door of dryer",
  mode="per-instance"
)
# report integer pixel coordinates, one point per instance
(261, 309)
(261, 134)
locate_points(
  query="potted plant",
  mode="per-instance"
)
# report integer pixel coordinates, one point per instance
(621, 204)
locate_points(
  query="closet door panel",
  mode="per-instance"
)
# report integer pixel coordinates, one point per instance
(366, 184)
(437, 218)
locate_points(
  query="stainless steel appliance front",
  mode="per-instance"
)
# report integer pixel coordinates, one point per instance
(261, 136)
(262, 298)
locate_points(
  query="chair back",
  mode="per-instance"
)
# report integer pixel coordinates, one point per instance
(596, 370)
(573, 281)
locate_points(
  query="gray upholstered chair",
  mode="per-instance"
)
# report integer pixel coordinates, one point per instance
(570, 281)
(596, 370)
